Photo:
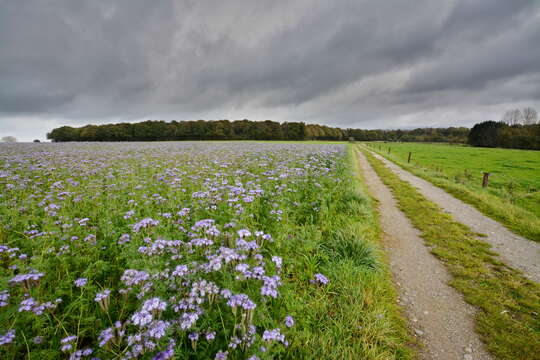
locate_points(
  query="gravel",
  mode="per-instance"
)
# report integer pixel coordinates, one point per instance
(442, 321)
(515, 251)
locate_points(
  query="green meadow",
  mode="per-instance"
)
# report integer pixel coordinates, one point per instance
(512, 195)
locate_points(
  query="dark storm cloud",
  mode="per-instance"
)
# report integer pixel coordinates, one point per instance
(346, 63)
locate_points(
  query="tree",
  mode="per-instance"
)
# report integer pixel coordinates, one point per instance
(485, 134)
(499, 134)
(153, 130)
(513, 117)
(530, 116)
(9, 139)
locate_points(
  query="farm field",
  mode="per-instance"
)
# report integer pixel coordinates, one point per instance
(513, 193)
(191, 250)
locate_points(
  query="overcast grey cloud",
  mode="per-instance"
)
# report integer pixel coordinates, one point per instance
(367, 64)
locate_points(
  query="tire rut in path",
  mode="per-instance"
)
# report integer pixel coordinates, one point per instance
(440, 318)
(514, 250)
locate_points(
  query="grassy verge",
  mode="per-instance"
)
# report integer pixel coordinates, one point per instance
(356, 316)
(515, 218)
(509, 304)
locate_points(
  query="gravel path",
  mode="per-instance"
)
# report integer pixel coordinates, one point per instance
(439, 317)
(514, 250)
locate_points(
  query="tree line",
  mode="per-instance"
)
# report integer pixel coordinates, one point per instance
(518, 129)
(500, 134)
(154, 130)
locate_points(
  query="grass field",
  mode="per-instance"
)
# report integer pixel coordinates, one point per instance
(508, 304)
(513, 193)
(193, 250)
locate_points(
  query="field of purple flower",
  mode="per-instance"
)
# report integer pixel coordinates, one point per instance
(189, 250)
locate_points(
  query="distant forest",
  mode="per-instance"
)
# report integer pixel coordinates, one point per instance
(507, 134)
(500, 134)
(152, 130)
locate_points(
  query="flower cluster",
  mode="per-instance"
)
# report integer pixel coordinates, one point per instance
(320, 279)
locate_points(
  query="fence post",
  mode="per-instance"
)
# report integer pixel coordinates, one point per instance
(389, 150)
(485, 179)
(409, 159)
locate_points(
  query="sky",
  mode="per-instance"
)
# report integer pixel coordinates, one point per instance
(358, 63)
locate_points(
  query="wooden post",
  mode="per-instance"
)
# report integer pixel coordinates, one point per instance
(485, 180)
(389, 150)
(409, 159)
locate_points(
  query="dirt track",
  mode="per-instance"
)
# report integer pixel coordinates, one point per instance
(514, 250)
(439, 317)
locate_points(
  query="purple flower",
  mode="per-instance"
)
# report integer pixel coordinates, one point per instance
(32, 276)
(68, 339)
(241, 300)
(180, 271)
(8, 337)
(124, 238)
(67, 343)
(157, 329)
(37, 340)
(142, 318)
(102, 299)
(145, 223)
(226, 293)
(102, 295)
(210, 335)
(91, 239)
(193, 336)
(134, 277)
(270, 286)
(105, 336)
(213, 231)
(233, 344)
(167, 354)
(289, 321)
(203, 224)
(245, 245)
(27, 304)
(321, 279)
(187, 320)
(273, 335)
(183, 212)
(243, 269)
(278, 261)
(221, 355)
(4, 297)
(244, 233)
(201, 242)
(154, 304)
(80, 282)
(258, 272)
(79, 354)
(203, 288)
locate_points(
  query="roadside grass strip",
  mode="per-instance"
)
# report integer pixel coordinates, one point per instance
(508, 317)
(492, 203)
(356, 315)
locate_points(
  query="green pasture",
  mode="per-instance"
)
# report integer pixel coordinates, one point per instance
(514, 174)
